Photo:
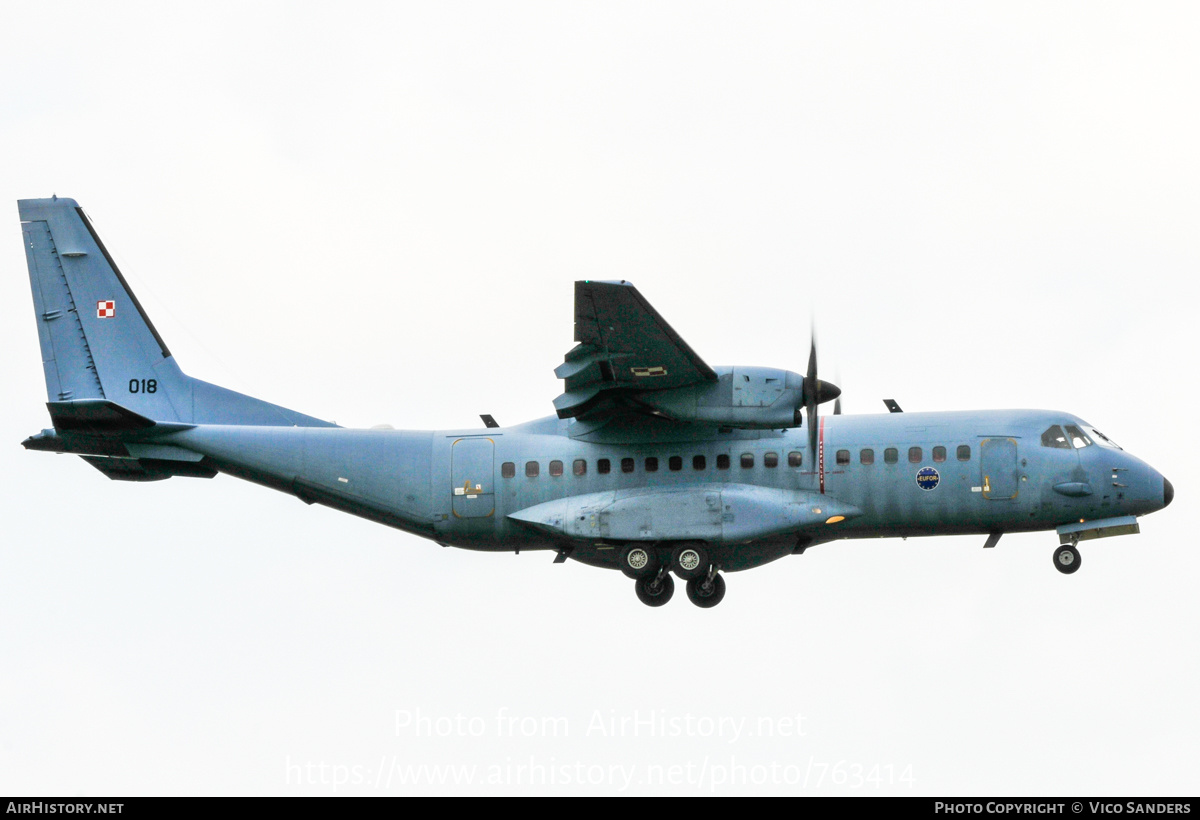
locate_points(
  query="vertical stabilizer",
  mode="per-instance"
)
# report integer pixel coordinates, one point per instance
(97, 341)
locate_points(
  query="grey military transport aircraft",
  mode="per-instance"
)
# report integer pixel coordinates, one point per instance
(654, 463)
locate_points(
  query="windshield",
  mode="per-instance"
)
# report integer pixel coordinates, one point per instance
(1103, 440)
(1055, 437)
(1079, 439)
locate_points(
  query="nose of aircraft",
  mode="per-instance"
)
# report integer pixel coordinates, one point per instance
(1168, 492)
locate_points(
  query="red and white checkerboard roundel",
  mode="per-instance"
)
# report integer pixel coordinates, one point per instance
(106, 310)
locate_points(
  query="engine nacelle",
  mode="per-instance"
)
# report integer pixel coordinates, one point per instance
(762, 398)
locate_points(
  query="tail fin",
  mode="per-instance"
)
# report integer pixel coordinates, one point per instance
(97, 341)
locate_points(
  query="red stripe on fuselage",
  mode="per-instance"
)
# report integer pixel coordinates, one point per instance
(821, 456)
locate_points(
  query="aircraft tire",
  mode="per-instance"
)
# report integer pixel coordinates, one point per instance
(654, 591)
(689, 560)
(638, 561)
(706, 598)
(1066, 559)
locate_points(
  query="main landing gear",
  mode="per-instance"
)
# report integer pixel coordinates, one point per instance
(689, 561)
(707, 590)
(1066, 559)
(655, 590)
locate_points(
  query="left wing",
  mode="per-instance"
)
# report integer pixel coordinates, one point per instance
(625, 348)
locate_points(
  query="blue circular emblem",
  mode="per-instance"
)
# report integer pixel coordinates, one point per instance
(927, 478)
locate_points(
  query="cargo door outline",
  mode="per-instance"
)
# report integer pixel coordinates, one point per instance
(998, 468)
(472, 463)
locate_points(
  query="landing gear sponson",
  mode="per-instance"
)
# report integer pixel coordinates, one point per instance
(688, 560)
(1066, 556)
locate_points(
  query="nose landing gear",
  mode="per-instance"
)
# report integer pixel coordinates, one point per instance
(1066, 559)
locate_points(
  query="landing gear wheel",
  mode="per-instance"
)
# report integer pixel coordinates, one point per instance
(1066, 559)
(705, 593)
(689, 561)
(655, 590)
(638, 561)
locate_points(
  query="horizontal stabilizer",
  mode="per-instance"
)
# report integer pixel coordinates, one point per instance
(149, 469)
(96, 416)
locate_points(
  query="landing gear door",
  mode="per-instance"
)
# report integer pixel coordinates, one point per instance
(471, 477)
(998, 465)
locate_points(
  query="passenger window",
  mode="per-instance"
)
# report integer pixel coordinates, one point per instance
(770, 459)
(747, 461)
(580, 467)
(1078, 437)
(675, 463)
(891, 455)
(843, 457)
(604, 466)
(531, 469)
(555, 468)
(651, 464)
(914, 455)
(866, 456)
(627, 465)
(508, 469)
(964, 452)
(939, 453)
(1055, 437)
(723, 461)
(699, 463)
(795, 459)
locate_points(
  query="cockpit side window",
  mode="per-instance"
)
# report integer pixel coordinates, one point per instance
(1055, 437)
(1078, 438)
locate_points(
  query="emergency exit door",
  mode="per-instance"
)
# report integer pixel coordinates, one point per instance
(998, 467)
(471, 477)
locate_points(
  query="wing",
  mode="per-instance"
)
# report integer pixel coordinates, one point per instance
(625, 348)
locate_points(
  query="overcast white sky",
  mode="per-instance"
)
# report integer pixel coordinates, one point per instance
(375, 213)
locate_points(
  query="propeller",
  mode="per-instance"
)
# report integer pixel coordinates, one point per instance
(816, 392)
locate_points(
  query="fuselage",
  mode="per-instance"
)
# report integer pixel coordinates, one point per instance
(655, 463)
(904, 474)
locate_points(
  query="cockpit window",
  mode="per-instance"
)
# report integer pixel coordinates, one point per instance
(1055, 437)
(1101, 439)
(1078, 438)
